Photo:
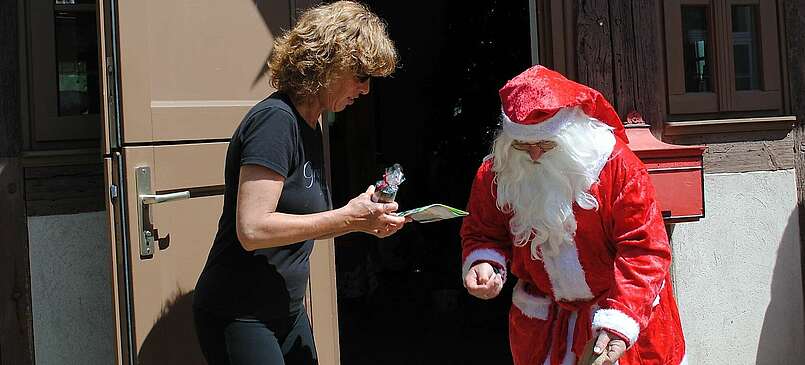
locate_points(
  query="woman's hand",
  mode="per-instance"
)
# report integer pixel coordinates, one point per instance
(373, 218)
(482, 281)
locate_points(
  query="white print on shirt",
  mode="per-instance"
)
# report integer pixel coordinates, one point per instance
(311, 175)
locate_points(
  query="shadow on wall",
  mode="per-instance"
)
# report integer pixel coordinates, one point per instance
(172, 340)
(782, 338)
(276, 15)
(275, 21)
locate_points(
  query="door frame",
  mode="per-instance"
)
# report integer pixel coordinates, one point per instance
(16, 320)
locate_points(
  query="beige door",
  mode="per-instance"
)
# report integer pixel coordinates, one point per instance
(180, 76)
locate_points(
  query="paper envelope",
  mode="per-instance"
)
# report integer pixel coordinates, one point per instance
(433, 213)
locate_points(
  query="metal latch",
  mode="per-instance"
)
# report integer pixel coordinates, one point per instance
(145, 198)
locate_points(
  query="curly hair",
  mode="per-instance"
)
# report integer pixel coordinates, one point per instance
(344, 35)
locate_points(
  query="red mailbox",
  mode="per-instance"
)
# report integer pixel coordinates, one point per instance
(676, 172)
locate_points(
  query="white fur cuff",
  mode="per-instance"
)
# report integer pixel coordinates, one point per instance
(484, 254)
(616, 320)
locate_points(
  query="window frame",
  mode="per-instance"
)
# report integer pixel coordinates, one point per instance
(724, 98)
(47, 129)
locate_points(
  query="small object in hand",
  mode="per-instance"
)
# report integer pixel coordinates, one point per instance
(386, 189)
(588, 355)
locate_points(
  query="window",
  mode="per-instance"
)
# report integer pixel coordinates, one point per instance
(64, 77)
(722, 56)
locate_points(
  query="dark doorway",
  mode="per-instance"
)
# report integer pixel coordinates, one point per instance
(401, 299)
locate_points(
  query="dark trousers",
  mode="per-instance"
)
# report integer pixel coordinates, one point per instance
(286, 341)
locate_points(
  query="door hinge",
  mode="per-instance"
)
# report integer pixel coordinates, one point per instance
(111, 103)
(113, 192)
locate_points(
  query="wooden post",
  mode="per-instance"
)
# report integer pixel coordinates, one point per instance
(624, 66)
(794, 19)
(16, 337)
(649, 87)
(594, 46)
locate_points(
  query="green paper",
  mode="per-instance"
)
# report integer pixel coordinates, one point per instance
(433, 213)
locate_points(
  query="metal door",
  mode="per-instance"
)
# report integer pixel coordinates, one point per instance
(179, 77)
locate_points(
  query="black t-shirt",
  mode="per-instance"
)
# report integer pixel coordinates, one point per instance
(266, 283)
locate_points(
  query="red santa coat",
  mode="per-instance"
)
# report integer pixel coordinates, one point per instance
(616, 277)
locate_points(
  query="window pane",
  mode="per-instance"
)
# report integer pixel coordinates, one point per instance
(77, 63)
(696, 49)
(745, 47)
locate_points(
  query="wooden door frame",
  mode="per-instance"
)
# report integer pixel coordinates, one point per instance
(16, 327)
(791, 13)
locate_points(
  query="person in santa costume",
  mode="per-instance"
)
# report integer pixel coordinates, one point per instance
(565, 206)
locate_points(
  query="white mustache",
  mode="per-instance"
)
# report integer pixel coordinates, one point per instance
(540, 196)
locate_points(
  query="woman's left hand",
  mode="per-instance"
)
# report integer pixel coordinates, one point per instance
(373, 218)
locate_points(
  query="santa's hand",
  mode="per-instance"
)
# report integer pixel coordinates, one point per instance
(608, 349)
(482, 281)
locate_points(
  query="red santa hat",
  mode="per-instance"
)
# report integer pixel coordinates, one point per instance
(537, 103)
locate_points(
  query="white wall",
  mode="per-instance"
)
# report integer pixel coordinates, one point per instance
(738, 272)
(71, 289)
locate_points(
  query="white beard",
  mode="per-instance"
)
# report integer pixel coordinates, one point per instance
(541, 195)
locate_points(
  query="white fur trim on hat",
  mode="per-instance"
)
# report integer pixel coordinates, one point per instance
(531, 305)
(616, 320)
(542, 130)
(483, 254)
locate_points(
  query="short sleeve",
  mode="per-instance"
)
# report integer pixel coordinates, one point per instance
(269, 139)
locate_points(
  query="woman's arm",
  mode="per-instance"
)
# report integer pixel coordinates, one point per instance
(259, 225)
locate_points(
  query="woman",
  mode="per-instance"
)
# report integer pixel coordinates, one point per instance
(248, 302)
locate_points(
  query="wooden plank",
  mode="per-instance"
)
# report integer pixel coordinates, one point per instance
(16, 326)
(649, 84)
(624, 70)
(556, 19)
(64, 206)
(794, 25)
(744, 151)
(61, 157)
(594, 46)
(64, 189)
(74, 170)
(725, 78)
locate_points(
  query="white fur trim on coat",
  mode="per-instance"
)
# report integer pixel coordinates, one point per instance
(566, 275)
(542, 130)
(532, 306)
(616, 320)
(483, 254)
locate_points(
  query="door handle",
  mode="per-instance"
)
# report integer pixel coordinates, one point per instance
(146, 198)
(149, 199)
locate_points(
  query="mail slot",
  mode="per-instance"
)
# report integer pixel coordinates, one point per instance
(676, 172)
